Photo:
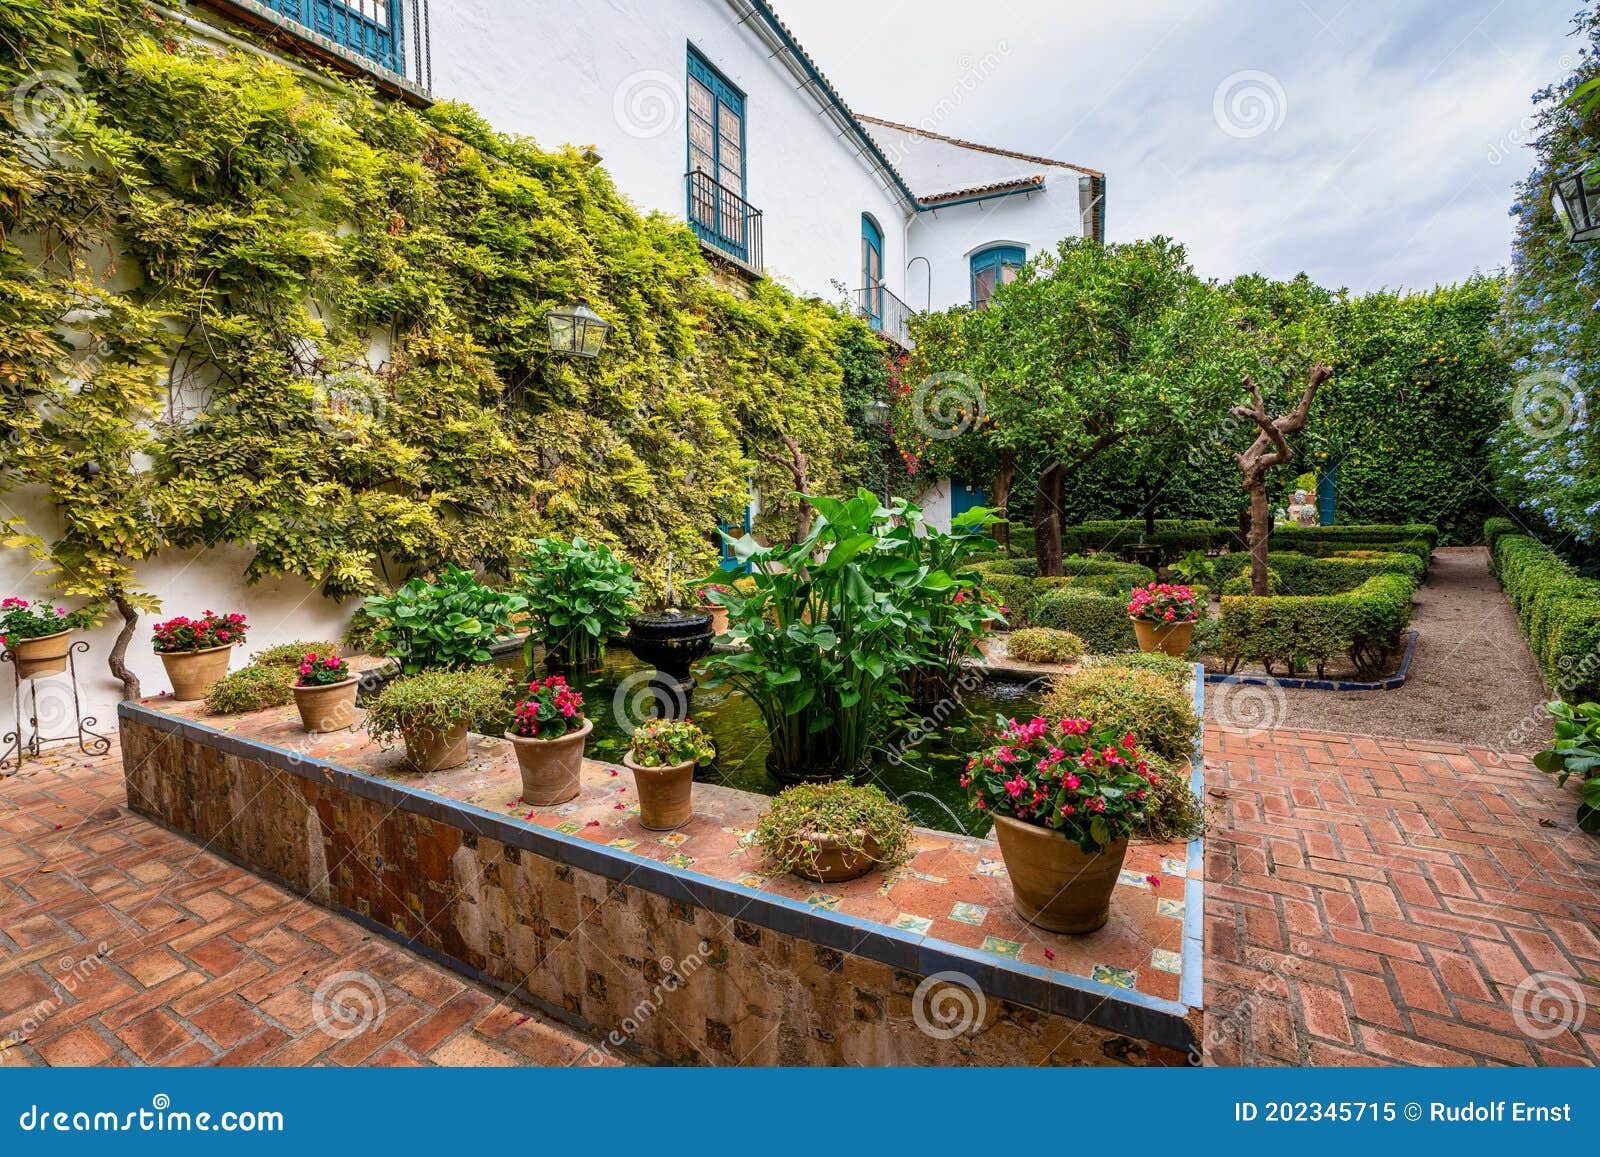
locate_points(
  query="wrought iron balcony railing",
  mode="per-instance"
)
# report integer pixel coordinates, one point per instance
(724, 220)
(391, 34)
(886, 314)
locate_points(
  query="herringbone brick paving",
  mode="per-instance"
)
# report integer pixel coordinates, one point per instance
(1383, 901)
(123, 944)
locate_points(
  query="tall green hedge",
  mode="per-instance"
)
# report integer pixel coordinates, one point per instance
(1304, 574)
(1559, 610)
(1295, 630)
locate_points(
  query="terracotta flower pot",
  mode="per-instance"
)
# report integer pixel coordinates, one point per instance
(833, 862)
(550, 767)
(1054, 884)
(331, 707)
(1173, 638)
(45, 655)
(719, 617)
(664, 793)
(436, 750)
(193, 673)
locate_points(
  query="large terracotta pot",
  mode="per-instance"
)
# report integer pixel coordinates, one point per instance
(1054, 884)
(45, 655)
(1173, 638)
(436, 750)
(664, 793)
(331, 707)
(193, 673)
(833, 862)
(550, 767)
(719, 617)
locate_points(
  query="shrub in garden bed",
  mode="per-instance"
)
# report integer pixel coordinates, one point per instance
(252, 688)
(291, 654)
(1144, 704)
(1176, 671)
(834, 831)
(1044, 645)
(1295, 630)
(448, 623)
(1101, 622)
(1239, 584)
(1559, 611)
(1305, 574)
(1414, 538)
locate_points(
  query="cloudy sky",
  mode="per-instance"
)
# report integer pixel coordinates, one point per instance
(1369, 143)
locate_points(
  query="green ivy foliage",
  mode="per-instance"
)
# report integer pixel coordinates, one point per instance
(322, 318)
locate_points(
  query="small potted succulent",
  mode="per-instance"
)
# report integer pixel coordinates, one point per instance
(325, 692)
(432, 710)
(195, 652)
(1164, 615)
(1064, 797)
(663, 757)
(707, 604)
(831, 832)
(38, 635)
(548, 732)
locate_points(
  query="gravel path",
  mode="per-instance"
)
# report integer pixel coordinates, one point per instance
(1472, 681)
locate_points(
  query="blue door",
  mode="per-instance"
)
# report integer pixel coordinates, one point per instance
(963, 497)
(871, 272)
(1327, 493)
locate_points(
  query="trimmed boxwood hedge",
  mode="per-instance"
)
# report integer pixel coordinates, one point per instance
(1158, 713)
(1558, 608)
(1101, 622)
(1416, 538)
(1294, 630)
(1304, 574)
(1013, 580)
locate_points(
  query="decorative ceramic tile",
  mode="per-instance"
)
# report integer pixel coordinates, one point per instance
(569, 809)
(1173, 908)
(823, 900)
(1173, 866)
(1010, 949)
(632, 811)
(913, 874)
(747, 839)
(623, 844)
(1116, 977)
(679, 860)
(994, 869)
(1133, 879)
(673, 839)
(968, 913)
(752, 880)
(905, 922)
(970, 849)
(890, 879)
(1166, 961)
(734, 831)
(569, 827)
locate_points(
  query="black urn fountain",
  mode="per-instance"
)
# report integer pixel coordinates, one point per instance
(670, 641)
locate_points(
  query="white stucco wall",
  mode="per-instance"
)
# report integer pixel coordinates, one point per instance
(612, 74)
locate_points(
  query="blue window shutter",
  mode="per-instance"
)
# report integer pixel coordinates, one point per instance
(989, 268)
(721, 125)
(872, 272)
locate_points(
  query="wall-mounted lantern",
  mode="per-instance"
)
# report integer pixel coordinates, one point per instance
(578, 331)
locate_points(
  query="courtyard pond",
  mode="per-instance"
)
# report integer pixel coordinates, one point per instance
(919, 770)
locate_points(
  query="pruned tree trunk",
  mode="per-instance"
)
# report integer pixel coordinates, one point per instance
(1047, 521)
(797, 465)
(118, 660)
(1271, 448)
(1003, 478)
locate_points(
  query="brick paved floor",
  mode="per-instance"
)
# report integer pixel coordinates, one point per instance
(1378, 901)
(204, 963)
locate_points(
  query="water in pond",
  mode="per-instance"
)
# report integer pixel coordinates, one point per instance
(925, 782)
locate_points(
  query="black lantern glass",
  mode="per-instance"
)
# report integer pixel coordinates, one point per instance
(579, 331)
(876, 412)
(1576, 200)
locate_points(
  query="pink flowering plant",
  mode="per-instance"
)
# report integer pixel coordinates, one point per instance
(1162, 603)
(707, 594)
(181, 634)
(321, 670)
(1073, 776)
(551, 710)
(21, 620)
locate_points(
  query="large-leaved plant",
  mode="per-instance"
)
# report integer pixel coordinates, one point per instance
(577, 596)
(451, 622)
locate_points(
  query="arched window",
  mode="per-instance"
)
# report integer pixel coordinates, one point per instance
(993, 267)
(871, 272)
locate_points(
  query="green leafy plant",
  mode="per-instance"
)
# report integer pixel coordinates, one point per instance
(1099, 620)
(858, 819)
(1195, 567)
(448, 623)
(252, 688)
(439, 700)
(577, 596)
(291, 654)
(1176, 671)
(1044, 645)
(665, 742)
(20, 619)
(1144, 704)
(1576, 751)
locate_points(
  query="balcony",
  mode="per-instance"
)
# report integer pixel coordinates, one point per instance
(724, 221)
(886, 314)
(388, 39)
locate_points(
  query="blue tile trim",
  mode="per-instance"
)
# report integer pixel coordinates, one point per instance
(1191, 986)
(1295, 684)
(1118, 1010)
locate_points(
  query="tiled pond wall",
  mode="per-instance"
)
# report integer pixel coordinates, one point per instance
(656, 962)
